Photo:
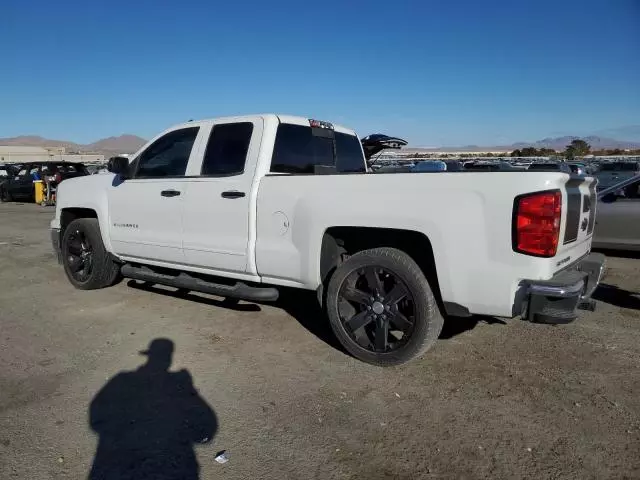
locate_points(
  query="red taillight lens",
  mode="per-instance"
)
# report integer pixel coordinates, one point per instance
(537, 223)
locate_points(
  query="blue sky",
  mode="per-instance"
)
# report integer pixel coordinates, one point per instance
(452, 72)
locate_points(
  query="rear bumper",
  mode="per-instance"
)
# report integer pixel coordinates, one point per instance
(55, 243)
(557, 300)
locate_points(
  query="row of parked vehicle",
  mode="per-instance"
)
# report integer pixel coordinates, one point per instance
(617, 224)
(18, 181)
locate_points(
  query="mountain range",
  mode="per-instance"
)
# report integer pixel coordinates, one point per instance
(108, 146)
(131, 143)
(560, 143)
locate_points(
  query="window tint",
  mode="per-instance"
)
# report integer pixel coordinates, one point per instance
(349, 154)
(227, 149)
(168, 156)
(298, 150)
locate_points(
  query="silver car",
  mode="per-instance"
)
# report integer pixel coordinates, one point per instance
(618, 216)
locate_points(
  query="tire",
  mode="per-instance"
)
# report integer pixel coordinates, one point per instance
(349, 304)
(4, 195)
(98, 269)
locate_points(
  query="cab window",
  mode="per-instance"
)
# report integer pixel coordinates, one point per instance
(227, 149)
(168, 156)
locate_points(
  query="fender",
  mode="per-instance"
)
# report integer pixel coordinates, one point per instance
(89, 192)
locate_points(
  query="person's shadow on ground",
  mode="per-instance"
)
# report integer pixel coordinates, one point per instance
(148, 421)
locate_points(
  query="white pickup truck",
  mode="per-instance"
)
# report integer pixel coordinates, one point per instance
(240, 206)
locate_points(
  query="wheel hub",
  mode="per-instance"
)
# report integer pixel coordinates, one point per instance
(377, 308)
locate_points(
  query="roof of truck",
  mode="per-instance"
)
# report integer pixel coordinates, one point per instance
(296, 120)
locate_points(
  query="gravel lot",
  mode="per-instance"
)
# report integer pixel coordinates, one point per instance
(492, 399)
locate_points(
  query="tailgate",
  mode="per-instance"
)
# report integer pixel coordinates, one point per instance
(579, 219)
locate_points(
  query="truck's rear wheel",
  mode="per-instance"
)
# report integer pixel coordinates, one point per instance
(381, 307)
(86, 262)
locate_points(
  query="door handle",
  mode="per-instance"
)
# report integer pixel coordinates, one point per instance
(170, 193)
(232, 194)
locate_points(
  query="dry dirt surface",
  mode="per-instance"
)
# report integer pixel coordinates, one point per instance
(267, 384)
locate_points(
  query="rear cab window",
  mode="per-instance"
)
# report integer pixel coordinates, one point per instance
(301, 149)
(227, 148)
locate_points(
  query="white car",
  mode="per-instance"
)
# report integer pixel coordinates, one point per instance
(241, 206)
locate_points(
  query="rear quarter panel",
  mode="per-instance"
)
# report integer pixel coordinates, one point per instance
(466, 216)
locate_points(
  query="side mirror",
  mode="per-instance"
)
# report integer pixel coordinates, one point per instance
(609, 198)
(118, 165)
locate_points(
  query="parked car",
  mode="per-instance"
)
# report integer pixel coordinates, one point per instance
(430, 166)
(240, 207)
(20, 185)
(489, 166)
(618, 218)
(611, 173)
(550, 167)
(578, 168)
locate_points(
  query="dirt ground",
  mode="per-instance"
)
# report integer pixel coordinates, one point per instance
(267, 384)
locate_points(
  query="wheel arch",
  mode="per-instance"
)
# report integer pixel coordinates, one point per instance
(340, 242)
(69, 214)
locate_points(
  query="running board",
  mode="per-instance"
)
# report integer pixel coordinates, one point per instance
(238, 290)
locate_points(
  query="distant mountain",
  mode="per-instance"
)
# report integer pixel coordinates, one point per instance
(123, 144)
(108, 146)
(596, 142)
(35, 141)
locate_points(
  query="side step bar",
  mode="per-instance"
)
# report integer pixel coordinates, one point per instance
(239, 290)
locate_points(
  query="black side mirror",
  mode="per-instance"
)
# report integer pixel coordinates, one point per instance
(118, 165)
(609, 198)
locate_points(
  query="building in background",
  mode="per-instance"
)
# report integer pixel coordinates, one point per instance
(18, 154)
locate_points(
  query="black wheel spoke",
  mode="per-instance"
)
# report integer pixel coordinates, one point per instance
(354, 295)
(396, 294)
(373, 280)
(382, 333)
(376, 309)
(75, 249)
(358, 321)
(401, 322)
(75, 264)
(79, 256)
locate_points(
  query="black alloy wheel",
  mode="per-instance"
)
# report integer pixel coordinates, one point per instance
(376, 309)
(79, 256)
(381, 307)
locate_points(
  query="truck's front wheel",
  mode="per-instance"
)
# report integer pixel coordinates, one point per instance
(381, 307)
(86, 262)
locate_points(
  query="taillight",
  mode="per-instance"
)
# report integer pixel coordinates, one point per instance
(536, 223)
(58, 177)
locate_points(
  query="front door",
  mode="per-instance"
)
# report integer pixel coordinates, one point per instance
(218, 201)
(146, 210)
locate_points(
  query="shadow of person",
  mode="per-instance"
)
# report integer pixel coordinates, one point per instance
(148, 421)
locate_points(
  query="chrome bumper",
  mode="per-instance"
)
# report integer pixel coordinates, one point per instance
(557, 300)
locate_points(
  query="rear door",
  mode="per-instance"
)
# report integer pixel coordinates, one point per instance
(218, 202)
